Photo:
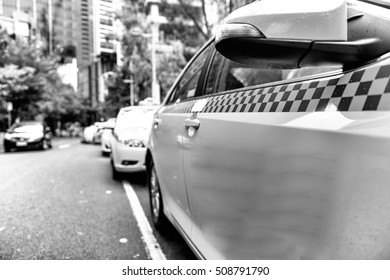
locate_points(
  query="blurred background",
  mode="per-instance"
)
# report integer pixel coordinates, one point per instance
(74, 62)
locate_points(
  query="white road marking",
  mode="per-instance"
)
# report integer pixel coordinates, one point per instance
(3, 228)
(123, 240)
(64, 146)
(152, 246)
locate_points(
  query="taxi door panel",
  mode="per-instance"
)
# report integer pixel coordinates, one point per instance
(269, 179)
(168, 133)
(168, 162)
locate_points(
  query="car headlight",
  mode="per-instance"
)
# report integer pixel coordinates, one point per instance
(7, 136)
(134, 143)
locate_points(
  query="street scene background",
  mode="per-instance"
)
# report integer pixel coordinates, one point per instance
(69, 64)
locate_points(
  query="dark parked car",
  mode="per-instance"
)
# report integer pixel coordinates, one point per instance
(27, 135)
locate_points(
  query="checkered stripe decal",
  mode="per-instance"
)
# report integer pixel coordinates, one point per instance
(363, 90)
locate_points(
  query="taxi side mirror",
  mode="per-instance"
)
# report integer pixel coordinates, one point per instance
(293, 34)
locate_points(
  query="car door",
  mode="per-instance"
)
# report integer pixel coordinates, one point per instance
(293, 167)
(166, 142)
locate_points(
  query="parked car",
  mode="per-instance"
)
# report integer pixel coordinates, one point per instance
(89, 133)
(129, 138)
(105, 138)
(27, 135)
(97, 136)
(274, 142)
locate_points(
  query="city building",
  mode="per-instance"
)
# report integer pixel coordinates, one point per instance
(54, 26)
(82, 31)
(105, 55)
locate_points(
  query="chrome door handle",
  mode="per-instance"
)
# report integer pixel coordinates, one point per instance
(194, 123)
(156, 122)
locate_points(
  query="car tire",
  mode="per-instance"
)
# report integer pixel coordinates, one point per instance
(115, 174)
(155, 197)
(7, 150)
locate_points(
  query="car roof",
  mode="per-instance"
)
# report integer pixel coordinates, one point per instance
(130, 108)
(28, 123)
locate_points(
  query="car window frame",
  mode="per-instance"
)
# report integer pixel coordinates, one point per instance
(199, 87)
(261, 85)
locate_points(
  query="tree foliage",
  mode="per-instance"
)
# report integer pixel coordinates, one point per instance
(137, 50)
(30, 81)
(186, 29)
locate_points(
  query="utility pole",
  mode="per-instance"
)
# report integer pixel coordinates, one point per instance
(50, 25)
(155, 26)
(9, 110)
(130, 81)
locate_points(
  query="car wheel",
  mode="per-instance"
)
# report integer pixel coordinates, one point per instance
(7, 150)
(156, 201)
(115, 174)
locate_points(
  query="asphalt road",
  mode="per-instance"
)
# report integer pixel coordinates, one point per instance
(63, 204)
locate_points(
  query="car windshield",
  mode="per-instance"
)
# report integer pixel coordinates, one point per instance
(21, 128)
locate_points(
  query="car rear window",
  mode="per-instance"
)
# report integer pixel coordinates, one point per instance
(135, 118)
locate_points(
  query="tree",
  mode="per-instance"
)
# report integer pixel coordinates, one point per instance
(138, 51)
(208, 13)
(188, 26)
(29, 80)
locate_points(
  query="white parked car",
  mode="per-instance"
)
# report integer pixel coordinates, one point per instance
(129, 139)
(88, 133)
(105, 137)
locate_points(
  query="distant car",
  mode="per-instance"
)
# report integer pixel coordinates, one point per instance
(27, 135)
(88, 133)
(102, 126)
(129, 138)
(105, 138)
(274, 141)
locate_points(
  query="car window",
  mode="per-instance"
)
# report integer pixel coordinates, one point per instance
(135, 118)
(186, 87)
(228, 75)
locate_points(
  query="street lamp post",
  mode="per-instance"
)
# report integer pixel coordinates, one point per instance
(155, 85)
(131, 81)
(9, 110)
(154, 24)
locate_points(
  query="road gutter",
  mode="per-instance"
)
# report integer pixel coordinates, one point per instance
(152, 246)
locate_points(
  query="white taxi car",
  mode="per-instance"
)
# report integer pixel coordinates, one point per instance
(274, 142)
(129, 138)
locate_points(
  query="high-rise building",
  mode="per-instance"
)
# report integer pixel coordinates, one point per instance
(22, 17)
(104, 55)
